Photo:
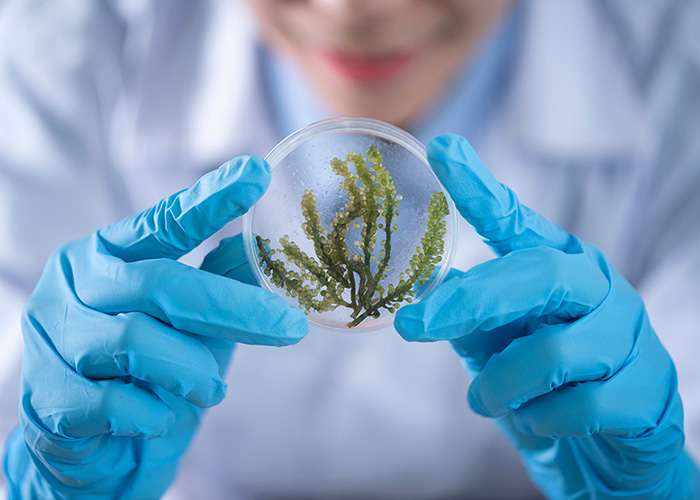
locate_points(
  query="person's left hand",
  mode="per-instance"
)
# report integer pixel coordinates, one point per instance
(560, 346)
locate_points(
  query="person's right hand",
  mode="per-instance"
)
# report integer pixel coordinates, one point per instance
(124, 346)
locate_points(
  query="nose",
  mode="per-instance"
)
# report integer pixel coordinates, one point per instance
(357, 8)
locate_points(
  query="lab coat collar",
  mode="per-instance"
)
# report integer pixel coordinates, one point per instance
(570, 94)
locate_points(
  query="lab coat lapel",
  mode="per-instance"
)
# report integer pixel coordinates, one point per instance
(572, 101)
(215, 106)
(233, 115)
(572, 124)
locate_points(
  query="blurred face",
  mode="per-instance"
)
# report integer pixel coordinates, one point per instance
(385, 59)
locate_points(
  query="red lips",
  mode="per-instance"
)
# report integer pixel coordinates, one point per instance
(368, 69)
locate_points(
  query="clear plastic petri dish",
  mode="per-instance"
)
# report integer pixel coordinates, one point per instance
(302, 164)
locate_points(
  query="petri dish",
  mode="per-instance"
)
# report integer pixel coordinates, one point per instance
(301, 163)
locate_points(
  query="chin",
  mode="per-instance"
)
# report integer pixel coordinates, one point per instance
(378, 105)
(396, 102)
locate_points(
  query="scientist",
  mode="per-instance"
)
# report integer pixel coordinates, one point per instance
(579, 338)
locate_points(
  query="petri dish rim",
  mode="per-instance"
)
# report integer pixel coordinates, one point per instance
(351, 125)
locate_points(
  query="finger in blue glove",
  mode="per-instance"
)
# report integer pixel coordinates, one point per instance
(124, 345)
(560, 346)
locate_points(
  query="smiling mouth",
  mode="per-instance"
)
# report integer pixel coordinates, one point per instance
(368, 69)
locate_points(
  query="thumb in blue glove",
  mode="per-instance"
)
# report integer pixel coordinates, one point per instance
(560, 346)
(124, 346)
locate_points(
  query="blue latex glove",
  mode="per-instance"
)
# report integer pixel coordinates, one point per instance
(560, 346)
(124, 346)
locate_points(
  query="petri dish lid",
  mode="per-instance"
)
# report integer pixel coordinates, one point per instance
(302, 162)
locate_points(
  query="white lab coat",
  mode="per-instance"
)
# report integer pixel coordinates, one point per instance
(105, 107)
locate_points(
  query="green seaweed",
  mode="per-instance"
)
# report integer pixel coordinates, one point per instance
(335, 276)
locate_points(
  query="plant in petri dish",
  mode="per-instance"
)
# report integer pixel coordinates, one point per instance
(338, 277)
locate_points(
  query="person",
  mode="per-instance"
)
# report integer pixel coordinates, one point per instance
(577, 349)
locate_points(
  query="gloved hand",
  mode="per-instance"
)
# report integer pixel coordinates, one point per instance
(560, 347)
(124, 346)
